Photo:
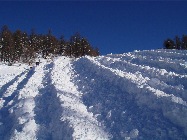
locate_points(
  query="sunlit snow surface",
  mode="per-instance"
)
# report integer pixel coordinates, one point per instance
(137, 95)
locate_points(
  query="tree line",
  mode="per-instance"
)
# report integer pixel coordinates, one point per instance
(176, 43)
(22, 47)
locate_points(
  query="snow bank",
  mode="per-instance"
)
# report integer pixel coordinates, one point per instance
(103, 81)
(137, 95)
(85, 126)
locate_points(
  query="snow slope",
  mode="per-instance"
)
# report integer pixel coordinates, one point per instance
(137, 95)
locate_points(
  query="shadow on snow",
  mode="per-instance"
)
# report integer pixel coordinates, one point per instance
(116, 109)
(48, 111)
(7, 85)
(6, 118)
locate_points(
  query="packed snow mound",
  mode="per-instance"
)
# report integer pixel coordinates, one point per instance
(137, 95)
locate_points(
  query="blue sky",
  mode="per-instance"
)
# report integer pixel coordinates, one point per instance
(112, 26)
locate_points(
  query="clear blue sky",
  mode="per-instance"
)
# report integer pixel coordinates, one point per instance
(113, 27)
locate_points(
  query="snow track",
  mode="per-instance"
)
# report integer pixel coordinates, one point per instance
(11, 98)
(84, 125)
(168, 82)
(100, 96)
(137, 95)
(161, 60)
(48, 110)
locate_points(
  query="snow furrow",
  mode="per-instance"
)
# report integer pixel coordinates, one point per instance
(177, 55)
(9, 110)
(137, 95)
(156, 61)
(142, 92)
(170, 83)
(161, 64)
(10, 74)
(109, 95)
(84, 125)
(6, 86)
(175, 105)
(9, 88)
(171, 55)
(139, 81)
(48, 110)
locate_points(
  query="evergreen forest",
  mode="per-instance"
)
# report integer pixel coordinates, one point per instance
(176, 43)
(20, 46)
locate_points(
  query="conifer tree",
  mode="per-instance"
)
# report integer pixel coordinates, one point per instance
(7, 46)
(27, 52)
(177, 43)
(86, 48)
(75, 42)
(63, 47)
(50, 44)
(169, 44)
(18, 50)
(184, 42)
(33, 41)
(79, 46)
(21, 47)
(68, 49)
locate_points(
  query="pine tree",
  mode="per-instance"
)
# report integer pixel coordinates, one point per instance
(169, 44)
(184, 42)
(1, 48)
(68, 49)
(27, 51)
(18, 50)
(85, 47)
(7, 45)
(95, 52)
(177, 43)
(50, 44)
(63, 47)
(21, 47)
(33, 41)
(75, 42)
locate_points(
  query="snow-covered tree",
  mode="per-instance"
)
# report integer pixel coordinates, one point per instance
(184, 42)
(18, 50)
(7, 45)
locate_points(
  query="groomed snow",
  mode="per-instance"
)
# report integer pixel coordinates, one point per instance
(136, 95)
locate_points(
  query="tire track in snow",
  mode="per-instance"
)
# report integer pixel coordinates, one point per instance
(141, 82)
(48, 111)
(178, 55)
(7, 117)
(168, 77)
(10, 88)
(11, 82)
(171, 106)
(25, 126)
(110, 82)
(8, 73)
(160, 64)
(84, 125)
(154, 61)
(159, 79)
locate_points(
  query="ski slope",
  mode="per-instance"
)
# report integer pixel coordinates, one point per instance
(136, 95)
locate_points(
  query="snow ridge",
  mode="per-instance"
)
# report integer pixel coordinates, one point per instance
(75, 112)
(136, 95)
(146, 90)
(48, 110)
(111, 83)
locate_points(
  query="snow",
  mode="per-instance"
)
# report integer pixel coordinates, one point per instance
(135, 95)
(84, 124)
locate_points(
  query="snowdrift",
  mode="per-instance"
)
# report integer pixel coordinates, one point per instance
(137, 95)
